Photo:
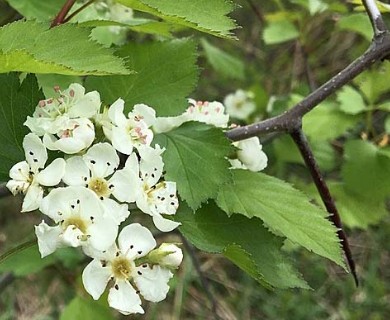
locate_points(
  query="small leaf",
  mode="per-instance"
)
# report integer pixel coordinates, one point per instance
(16, 102)
(29, 46)
(351, 101)
(208, 16)
(357, 22)
(243, 241)
(366, 170)
(195, 158)
(166, 74)
(283, 209)
(222, 62)
(86, 309)
(280, 31)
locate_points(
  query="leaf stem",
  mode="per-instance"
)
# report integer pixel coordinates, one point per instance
(303, 145)
(60, 17)
(77, 11)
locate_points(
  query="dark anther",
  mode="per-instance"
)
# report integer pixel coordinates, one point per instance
(131, 247)
(144, 265)
(35, 160)
(31, 153)
(72, 206)
(139, 252)
(93, 161)
(78, 201)
(140, 273)
(172, 203)
(116, 287)
(101, 198)
(108, 163)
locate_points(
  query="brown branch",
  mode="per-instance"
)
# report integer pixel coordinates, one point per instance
(60, 18)
(305, 150)
(375, 16)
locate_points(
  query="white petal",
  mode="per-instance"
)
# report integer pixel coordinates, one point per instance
(114, 210)
(165, 124)
(126, 185)
(33, 198)
(52, 174)
(48, 238)
(35, 151)
(251, 154)
(135, 241)
(164, 225)
(103, 232)
(17, 186)
(124, 298)
(121, 140)
(72, 236)
(102, 159)
(76, 172)
(66, 145)
(95, 278)
(87, 106)
(115, 113)
(151, 164)
(152, 283)
(144, 112)
(20, 171)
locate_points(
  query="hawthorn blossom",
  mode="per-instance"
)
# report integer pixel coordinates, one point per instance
(93, 171)
(63, 121)
(207, 112)
(154, 196)
(240, 104)
(126, 264)
(250, 155)
(80, 220)
(27, 176)
(133, 131)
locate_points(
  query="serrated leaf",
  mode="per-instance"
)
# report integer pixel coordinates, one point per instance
(208, 16)
(283, 209)
(243, 241)
(279, 31)
(166, 74)
(37, 9)
(32, 47)
(16, 102)
(366, 170)
(86, 309)
(327, 122)
(357, 22)
(351, 101)
(195, 159)
(223, 62)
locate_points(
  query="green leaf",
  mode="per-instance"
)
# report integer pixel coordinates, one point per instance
(48, 81)
(327, 122)
(222, 62)
(194, 158)
(37, 9)
(29, 46)
(25, 261)
(86, 309)
(366, 170)
(166, 74)
(385, 106)
(357, 22)
(243, 241)
(280, 31)
(208, 16)
(387, 124)
(283, 209)
(16, 102)
(351, 101)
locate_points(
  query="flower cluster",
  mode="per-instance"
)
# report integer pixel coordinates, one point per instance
(86, 189)
(86, 192)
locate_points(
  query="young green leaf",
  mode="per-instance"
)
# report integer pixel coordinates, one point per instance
(166, 74)
(86, 309)
(357, 22)
(243, 241)
(16, 102)
(195, 158)
(283, 209)
(366, 170)
(30, 46)
(351, 101)
(208, 16)
(280, 31)
(223, 62)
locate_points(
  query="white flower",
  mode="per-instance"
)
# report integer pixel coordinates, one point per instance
(207, 112)
(92, 171)
(165, 124)
(27, 178)
(168, 255)
(121, 264)
(240, 104)
(250, 155)
(80, 221)
(72, 137)
(153, 197)
(127, 133)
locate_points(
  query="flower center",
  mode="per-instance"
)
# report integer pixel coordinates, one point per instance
(77, 222)
(121, 268)
(100, 187)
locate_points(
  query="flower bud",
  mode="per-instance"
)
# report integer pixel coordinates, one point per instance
(167, 255)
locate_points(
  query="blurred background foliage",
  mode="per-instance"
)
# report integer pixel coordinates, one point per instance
(285, 50)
